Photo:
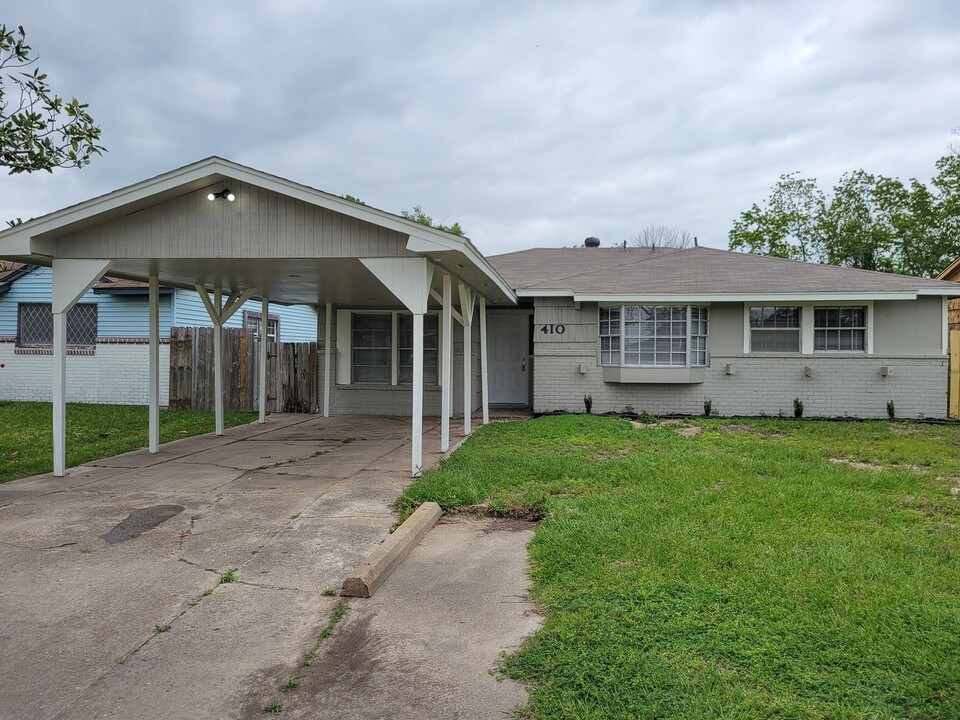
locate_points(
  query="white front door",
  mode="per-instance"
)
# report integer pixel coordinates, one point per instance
(507, 360)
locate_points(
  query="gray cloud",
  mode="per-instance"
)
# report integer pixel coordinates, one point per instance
(533, 124)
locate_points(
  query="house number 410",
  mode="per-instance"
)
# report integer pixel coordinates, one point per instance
(553, 329)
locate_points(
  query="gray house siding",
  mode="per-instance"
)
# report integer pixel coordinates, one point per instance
(381, 399)
(907, 340)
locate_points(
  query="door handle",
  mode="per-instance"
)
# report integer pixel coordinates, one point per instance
(523, 365)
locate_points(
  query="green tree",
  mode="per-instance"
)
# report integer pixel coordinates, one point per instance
(418, 215)
(867, 221)
(38, 129)
(787, 225)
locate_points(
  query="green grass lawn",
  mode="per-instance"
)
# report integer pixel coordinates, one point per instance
(734, 574)
(93, 431)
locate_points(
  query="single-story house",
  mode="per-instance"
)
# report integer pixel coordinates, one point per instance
(107, 335)
(663, 330)
(656, 329)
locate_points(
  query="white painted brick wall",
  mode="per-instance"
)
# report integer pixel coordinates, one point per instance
(116, 374)
(762, 384)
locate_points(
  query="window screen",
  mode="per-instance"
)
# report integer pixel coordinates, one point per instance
(775, 329)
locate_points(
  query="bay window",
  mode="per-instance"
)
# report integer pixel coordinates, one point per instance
(653, 336)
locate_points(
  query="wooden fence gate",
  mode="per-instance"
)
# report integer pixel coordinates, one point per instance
(953, 324)
(291, 372)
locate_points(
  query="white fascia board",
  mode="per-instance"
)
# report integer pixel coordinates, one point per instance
(545, 293)
(743, 297)
(425, 245)
(942, 292)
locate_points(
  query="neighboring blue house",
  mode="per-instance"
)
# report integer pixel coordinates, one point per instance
(107, 335)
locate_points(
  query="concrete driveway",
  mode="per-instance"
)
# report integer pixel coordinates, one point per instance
(111, 600)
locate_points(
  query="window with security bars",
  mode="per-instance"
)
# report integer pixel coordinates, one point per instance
(35, 325)
(775, 329)
(839, 329)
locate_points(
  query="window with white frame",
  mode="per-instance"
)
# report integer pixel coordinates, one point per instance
(375, 348)
(775, 329)
(405, 349)
(35, 325)
(840, 329)
(609, 336)
(699, 321)
(372, 345)
(253, 322)
(653, 335)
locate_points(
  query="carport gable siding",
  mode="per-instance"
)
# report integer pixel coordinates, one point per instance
(260, 223)
(298, 323)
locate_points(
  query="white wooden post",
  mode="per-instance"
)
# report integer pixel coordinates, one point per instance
(483, 360)
(71, 279)
(218, 360)
(154, 365)
(59, 393)
(409, 279)
(446, 336)
(264, 345)
(328, 321)
(467, 298)
(417, 439)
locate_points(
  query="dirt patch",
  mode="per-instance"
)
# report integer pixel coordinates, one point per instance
(857, 464)
(621, 453)
(904, 430)
(736, 429)
(528, 516)
(643, 426)
(716, 487)
(777, 435)
(954, 484)
(139, 521)
(691, 431)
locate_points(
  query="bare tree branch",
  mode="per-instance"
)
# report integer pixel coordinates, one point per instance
(668, 236)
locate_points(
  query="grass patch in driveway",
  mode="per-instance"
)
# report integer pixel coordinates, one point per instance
(735, 573)
(93, 432)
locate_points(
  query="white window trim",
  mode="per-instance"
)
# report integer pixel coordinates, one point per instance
(623, 336)
(807, 327)
(345, 339)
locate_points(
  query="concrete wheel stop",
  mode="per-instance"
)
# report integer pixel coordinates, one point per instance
(369, 575)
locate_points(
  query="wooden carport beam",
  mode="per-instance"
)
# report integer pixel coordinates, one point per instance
(439, 298)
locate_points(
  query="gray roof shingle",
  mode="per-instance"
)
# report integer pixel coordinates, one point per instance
(688, 271)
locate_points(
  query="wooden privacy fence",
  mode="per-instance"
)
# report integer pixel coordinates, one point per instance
(291, 372)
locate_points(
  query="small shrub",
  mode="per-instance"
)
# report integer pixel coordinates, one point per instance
(707, 407)
(646, 418)
(797, 407)
(891, 410)
(588, 403)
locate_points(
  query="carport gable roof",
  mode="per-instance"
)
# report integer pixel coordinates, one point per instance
(697, 274)
(35, 240)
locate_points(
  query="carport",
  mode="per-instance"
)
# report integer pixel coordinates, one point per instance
(234, 233)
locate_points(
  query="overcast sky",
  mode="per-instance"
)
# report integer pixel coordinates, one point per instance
(533, 124)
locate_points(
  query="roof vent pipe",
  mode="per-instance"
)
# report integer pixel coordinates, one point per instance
(591, 242)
